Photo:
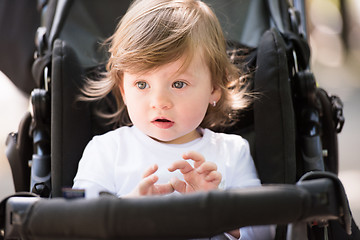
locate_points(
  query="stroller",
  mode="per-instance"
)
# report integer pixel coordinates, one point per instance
(295, 149)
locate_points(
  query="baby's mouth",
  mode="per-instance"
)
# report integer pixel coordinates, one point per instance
(163, 123)
(162, 120)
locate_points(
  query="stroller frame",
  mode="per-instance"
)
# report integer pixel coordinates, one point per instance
(318, 195)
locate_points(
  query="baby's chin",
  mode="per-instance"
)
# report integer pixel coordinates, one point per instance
(165, 140)
(169, 137)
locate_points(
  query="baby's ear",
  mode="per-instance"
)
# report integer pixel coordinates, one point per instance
(215, 94)
(121, 88)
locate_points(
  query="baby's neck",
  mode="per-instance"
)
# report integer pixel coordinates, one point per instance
(195, 134)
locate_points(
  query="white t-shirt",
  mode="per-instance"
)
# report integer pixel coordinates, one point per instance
(115, 162)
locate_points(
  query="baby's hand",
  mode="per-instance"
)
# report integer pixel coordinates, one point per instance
(202, 177)
(148, 187)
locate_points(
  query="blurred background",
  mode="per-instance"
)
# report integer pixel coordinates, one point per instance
(334, 29)
(334, 34)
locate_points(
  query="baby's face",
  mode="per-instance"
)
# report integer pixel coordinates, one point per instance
(167, 104)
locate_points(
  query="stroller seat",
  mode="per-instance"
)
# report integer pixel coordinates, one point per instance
(277, 127)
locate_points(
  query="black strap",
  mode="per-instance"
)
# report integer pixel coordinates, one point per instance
(329, 134)
(39, 66)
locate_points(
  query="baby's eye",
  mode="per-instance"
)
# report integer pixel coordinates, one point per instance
(142, 85)
(179, 84)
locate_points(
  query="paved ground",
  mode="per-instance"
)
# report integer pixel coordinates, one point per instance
(344, 81)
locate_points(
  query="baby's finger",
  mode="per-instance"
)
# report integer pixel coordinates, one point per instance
(182, 165)
(150, 170)
(206, 167)
(195, 156)
(178, 185)
(214, 177)
(146, 183)
(164, 188)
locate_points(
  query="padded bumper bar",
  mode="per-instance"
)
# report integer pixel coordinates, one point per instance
(180, 217)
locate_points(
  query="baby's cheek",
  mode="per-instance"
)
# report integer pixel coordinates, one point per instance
(194, 120)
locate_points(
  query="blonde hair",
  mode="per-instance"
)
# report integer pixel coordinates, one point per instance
(155, 32)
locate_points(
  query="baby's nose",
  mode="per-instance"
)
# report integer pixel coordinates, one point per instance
(161, 100)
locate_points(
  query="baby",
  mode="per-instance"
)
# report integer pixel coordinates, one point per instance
(173, 83)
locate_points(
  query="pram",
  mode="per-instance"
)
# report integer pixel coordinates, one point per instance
(287, 148)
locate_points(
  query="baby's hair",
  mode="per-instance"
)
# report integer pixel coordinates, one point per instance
(155, 32)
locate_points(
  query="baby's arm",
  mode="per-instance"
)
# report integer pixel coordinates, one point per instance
(202, 177)
(148, 187)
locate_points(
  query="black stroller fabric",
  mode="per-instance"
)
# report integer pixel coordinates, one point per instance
(19, 21)
(69, 114)
(273, 112)
(274, 161)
